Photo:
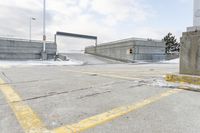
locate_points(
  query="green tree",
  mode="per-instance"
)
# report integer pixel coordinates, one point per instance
(171, 44)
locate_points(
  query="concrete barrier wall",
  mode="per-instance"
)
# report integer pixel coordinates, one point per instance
(120, 50)
(16, 49)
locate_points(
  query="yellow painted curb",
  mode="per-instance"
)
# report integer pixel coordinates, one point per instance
(183, 78)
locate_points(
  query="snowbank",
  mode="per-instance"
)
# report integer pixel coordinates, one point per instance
(39, 63)
(164, 84)
(174, 61)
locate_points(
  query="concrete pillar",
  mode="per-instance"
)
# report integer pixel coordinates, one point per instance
(190, 53)
(196, 17)
(190, 46)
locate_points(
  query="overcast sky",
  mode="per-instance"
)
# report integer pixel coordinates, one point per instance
(107, 19)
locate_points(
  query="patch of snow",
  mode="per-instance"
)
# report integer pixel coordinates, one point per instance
(6, 64)
(164, 84)
(174, 61)
(140, 62)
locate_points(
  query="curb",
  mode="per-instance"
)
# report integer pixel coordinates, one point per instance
(195, 80)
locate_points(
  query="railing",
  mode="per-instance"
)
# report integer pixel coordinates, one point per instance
(22, 40)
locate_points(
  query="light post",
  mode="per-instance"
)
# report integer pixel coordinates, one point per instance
(44, 55)
(44, 26)
(30, 28)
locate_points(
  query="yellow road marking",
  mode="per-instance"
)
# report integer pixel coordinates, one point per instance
(27, 118)
(110, 115)
(104, 75)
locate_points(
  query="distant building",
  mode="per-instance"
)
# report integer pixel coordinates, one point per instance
(130, 50)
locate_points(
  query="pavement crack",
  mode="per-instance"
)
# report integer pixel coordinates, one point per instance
(94, 74)
(112, 83)
(49, 95)
(30, 81)
(82, 89)
(94, 94)
(6, 77)
(138, 85)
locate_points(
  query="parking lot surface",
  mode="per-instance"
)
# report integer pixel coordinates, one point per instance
(112, 98)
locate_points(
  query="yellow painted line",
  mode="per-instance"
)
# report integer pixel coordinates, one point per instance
(111, 115)
(105, 75)
(27, 118)
(183, 79)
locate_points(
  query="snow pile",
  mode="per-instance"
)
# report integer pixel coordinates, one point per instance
(164, 84)
(6, 64)
(174, 61)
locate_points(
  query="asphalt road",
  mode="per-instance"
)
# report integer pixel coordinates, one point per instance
(52, 97)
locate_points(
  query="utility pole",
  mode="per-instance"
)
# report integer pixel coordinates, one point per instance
(44, 55)
(44, 26)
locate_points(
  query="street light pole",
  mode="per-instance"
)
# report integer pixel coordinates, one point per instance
(44, 27)
(30, 28)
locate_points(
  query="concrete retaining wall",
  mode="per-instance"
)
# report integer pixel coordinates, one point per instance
(143, 49)
(190, 53)
(16, 49)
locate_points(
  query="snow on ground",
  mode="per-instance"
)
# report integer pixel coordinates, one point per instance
(5, 64)
(164, 84)
(174, 61)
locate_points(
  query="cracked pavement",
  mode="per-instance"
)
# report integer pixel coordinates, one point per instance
(63, 95)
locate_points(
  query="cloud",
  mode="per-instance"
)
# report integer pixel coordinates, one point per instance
(116, 11)
(184, 1)
(155, 33)
(99, 17)
(23, 4)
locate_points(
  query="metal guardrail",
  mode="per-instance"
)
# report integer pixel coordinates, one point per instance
(22, 40)
(76, 35)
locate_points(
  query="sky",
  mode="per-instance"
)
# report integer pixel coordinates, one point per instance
(108, 19)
